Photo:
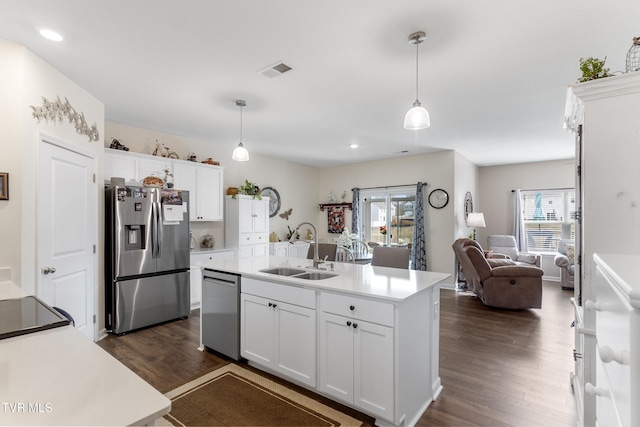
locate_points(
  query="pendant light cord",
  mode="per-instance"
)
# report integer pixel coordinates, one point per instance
(241, 124)
(417, 43)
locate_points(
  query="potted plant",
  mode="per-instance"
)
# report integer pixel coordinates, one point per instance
(593, 68)
(250, 189)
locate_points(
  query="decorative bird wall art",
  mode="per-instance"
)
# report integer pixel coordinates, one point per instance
(286, 213)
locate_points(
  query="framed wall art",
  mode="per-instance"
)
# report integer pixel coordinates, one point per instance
(4, 186)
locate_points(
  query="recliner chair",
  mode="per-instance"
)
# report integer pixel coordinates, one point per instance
(564, 260)
(506, 244)
(498, 282)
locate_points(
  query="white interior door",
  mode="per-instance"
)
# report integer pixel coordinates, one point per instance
(67, 205)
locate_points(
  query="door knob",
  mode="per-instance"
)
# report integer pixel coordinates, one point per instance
(47, 270)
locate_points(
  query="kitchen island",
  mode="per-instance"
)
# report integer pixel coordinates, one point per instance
(362, 335)
(59, 377)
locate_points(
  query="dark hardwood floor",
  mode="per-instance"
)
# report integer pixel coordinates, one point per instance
(498, 367)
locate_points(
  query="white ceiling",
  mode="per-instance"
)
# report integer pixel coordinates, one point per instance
(493, 73)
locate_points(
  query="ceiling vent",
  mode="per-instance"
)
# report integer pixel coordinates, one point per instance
(275, 70)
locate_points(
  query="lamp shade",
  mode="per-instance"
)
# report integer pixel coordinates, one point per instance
(417, 117)
(240, 154)
(475, 219)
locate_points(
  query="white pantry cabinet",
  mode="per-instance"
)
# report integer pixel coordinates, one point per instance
(247, 225)
(278, 328)
(204, 183)
(603, 114)
(357, 352)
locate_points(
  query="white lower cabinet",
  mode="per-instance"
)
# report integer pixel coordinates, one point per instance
(356, 355)
(278, 329)
(298, 249)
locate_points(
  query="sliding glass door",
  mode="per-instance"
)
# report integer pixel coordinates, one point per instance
(387, 215)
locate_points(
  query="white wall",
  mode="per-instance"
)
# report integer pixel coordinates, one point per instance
(12, 65)
(294, 182)
(26, 79)
(435, 169)
(496, 183)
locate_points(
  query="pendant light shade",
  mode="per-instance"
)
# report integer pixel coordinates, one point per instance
(417, 117)
(240, 154)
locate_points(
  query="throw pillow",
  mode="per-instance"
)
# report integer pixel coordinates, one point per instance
(570, 248)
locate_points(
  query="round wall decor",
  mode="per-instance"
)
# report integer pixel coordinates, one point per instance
(438, 198)
(274, 200)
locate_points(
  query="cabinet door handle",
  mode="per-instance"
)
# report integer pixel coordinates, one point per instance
(355, 325)
(607, 355)
(275, 305)
(352, 307)
(592, 390)
(348, 323)
(270, 304)
(592, 305)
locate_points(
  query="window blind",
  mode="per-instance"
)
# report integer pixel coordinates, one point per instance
(549, 215)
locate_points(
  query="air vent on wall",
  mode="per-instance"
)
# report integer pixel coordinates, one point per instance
(275, 70)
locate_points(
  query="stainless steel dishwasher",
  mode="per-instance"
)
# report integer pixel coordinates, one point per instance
(220, 311)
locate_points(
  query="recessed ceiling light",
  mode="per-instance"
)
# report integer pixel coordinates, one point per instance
(51, 35)
(353, 146)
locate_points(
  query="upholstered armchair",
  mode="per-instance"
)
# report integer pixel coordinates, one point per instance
(564, 260)
(499, 282)
(505, 244)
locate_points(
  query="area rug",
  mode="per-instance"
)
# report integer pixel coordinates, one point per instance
(234, 396)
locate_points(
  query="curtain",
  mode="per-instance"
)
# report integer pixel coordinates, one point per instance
(418, 249)
(355, 213)
(518, 224)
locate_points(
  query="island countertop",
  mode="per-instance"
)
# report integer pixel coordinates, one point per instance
(392, 284)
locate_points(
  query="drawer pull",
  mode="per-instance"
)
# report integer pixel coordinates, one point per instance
(592, 305)
(607, 355)
(352, 307)
(592, 390)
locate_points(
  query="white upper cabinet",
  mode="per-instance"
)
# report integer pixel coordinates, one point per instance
(204, 182)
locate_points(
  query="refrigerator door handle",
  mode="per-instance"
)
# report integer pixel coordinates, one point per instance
(154, 231)
(159, 235)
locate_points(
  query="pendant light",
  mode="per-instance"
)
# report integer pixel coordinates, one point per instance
(240, 154)
(417, 117)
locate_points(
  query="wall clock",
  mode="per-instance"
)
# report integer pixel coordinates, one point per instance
(274, 200)
(438, 198)
(468, 204)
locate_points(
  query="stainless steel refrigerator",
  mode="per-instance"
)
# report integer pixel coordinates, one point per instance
(146, 257)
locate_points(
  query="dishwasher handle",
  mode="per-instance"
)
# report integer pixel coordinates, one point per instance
(220, 282)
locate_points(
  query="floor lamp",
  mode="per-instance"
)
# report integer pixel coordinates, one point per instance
(475, 220)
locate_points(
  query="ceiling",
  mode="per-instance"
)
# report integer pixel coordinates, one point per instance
(493, 73)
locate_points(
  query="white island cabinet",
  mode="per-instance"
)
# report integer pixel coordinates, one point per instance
(367, 337)
(278, 328)
(356, 352)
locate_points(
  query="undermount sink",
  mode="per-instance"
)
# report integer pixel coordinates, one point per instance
(283, 271)
(298, 274)
(315, 275)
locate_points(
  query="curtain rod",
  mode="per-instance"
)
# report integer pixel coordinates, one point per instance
(386, 186)
(544, 189)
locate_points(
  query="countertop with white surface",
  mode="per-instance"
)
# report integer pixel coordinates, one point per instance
(59, 377)
(392, 284)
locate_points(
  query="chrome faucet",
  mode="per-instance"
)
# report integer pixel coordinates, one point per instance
(316, 260)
